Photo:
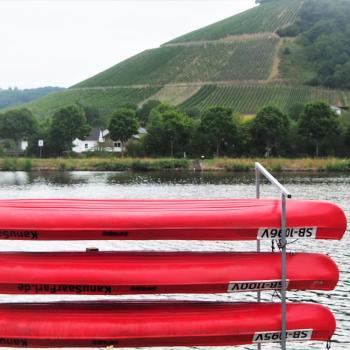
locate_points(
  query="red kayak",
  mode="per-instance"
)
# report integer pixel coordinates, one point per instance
(111, 273)
(224, 219)
(141, 324)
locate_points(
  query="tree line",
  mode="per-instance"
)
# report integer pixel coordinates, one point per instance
(310, 130)
(313, 130)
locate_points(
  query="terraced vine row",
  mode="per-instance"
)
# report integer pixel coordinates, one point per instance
(248, 60)
(249, 99)
(265, 18)
(105, 100)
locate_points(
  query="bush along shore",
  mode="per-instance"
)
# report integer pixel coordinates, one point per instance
(172, 164)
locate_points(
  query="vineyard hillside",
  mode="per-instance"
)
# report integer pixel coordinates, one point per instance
(247, 99)
(265, 18)
(203, 62)
(243, 62)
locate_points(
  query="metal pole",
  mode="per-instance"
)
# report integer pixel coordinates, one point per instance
(257, 183)
(257, 186)
(284, 270)
(259, 169)
(258, 247)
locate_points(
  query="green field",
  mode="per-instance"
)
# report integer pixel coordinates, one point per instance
(250, 98)
(104, 99)
(266, 18)
(246, 60)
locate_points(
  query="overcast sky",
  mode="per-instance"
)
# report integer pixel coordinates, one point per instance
(61, 42)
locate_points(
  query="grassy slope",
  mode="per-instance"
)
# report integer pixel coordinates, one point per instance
(175, 95)
(104, 99)
(249, 98)
(294, 66)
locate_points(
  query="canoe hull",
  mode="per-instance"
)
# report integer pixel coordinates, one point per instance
(225, 219)
(135, 324)
(111, 273)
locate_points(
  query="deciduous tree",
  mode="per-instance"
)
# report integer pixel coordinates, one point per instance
(168, 131)
(318, 122)
(68, 123)
(18, 124)
(122, 125)
(144, 112)
(218, 126)
(93, 116)
(269, 131)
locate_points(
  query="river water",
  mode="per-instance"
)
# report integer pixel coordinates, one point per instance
(191, 185)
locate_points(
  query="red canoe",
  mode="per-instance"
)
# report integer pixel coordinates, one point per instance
(224, 219)
(136, 324)
(143, 273)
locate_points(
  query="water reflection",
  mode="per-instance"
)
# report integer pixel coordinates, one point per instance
(181, 178)
(131, 178)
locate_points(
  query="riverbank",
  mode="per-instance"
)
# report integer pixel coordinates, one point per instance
(93, 164)
(279, 164)
(168, 164)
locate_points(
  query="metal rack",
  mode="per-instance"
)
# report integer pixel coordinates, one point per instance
(260, 170)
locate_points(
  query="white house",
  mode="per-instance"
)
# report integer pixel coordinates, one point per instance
(337, 110)
(92, 142)
(99, 140)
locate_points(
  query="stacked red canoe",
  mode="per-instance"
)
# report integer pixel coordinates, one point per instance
(162, 323)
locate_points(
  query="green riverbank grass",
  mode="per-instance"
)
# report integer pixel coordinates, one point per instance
(93, 164)
(169, 164)
(278, 164)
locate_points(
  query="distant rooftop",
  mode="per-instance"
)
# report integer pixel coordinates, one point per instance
(94, 134)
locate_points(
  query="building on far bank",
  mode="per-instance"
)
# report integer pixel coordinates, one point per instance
(99, 140)
(337, 110)
(92, 143)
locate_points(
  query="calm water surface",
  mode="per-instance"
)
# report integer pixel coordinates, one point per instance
(335, 188)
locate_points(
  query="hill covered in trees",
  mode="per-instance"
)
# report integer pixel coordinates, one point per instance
(12, 96)
(322, 45)
(281, 52)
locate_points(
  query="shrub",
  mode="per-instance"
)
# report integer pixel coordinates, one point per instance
(237, 167)
(173, 164)
(9, 164)
(111, 166)
(62, 166)
(338, 167)
(27, 165)
(139, 165)
(277, 168)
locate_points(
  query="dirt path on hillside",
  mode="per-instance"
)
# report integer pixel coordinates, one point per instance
(274, 75)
